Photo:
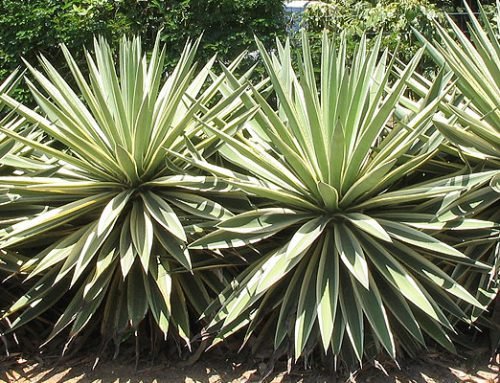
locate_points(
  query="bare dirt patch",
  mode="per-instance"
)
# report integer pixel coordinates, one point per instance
(432, 367)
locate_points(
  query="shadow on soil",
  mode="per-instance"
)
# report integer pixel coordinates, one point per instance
(472, 366)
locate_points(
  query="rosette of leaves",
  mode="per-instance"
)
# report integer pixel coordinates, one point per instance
(470, 119)
(337, 189)
(119, 210)
(475, 63)
(477, 203)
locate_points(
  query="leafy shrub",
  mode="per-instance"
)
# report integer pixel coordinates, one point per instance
(394, 18)
(341, 194)
(468, 123)
(473, 126)
(476, 67)
(117, 211)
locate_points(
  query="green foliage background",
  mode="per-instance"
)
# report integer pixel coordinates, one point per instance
(395, 18)
(30, 27)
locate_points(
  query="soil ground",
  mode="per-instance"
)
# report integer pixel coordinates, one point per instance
(432, 367)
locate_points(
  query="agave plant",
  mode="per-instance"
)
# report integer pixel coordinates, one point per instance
(475, 62)
(470, 120)
(336, 184)
(482, 245)
(479, 203)
(14, 157)
(119, 209)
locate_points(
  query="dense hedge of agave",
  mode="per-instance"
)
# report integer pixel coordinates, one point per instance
(347, 208)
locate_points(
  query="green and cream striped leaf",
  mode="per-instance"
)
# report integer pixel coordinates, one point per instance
(96, 176)
(337, 169)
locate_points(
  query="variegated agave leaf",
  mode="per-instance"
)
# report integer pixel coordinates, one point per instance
(338, 179)
(469, 118)
(119, 209)
(14, 158)
(475, 123)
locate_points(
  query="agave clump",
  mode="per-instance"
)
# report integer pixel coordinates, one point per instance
(119, 209)
(475, 63)
(336, 183)
(15, 158)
